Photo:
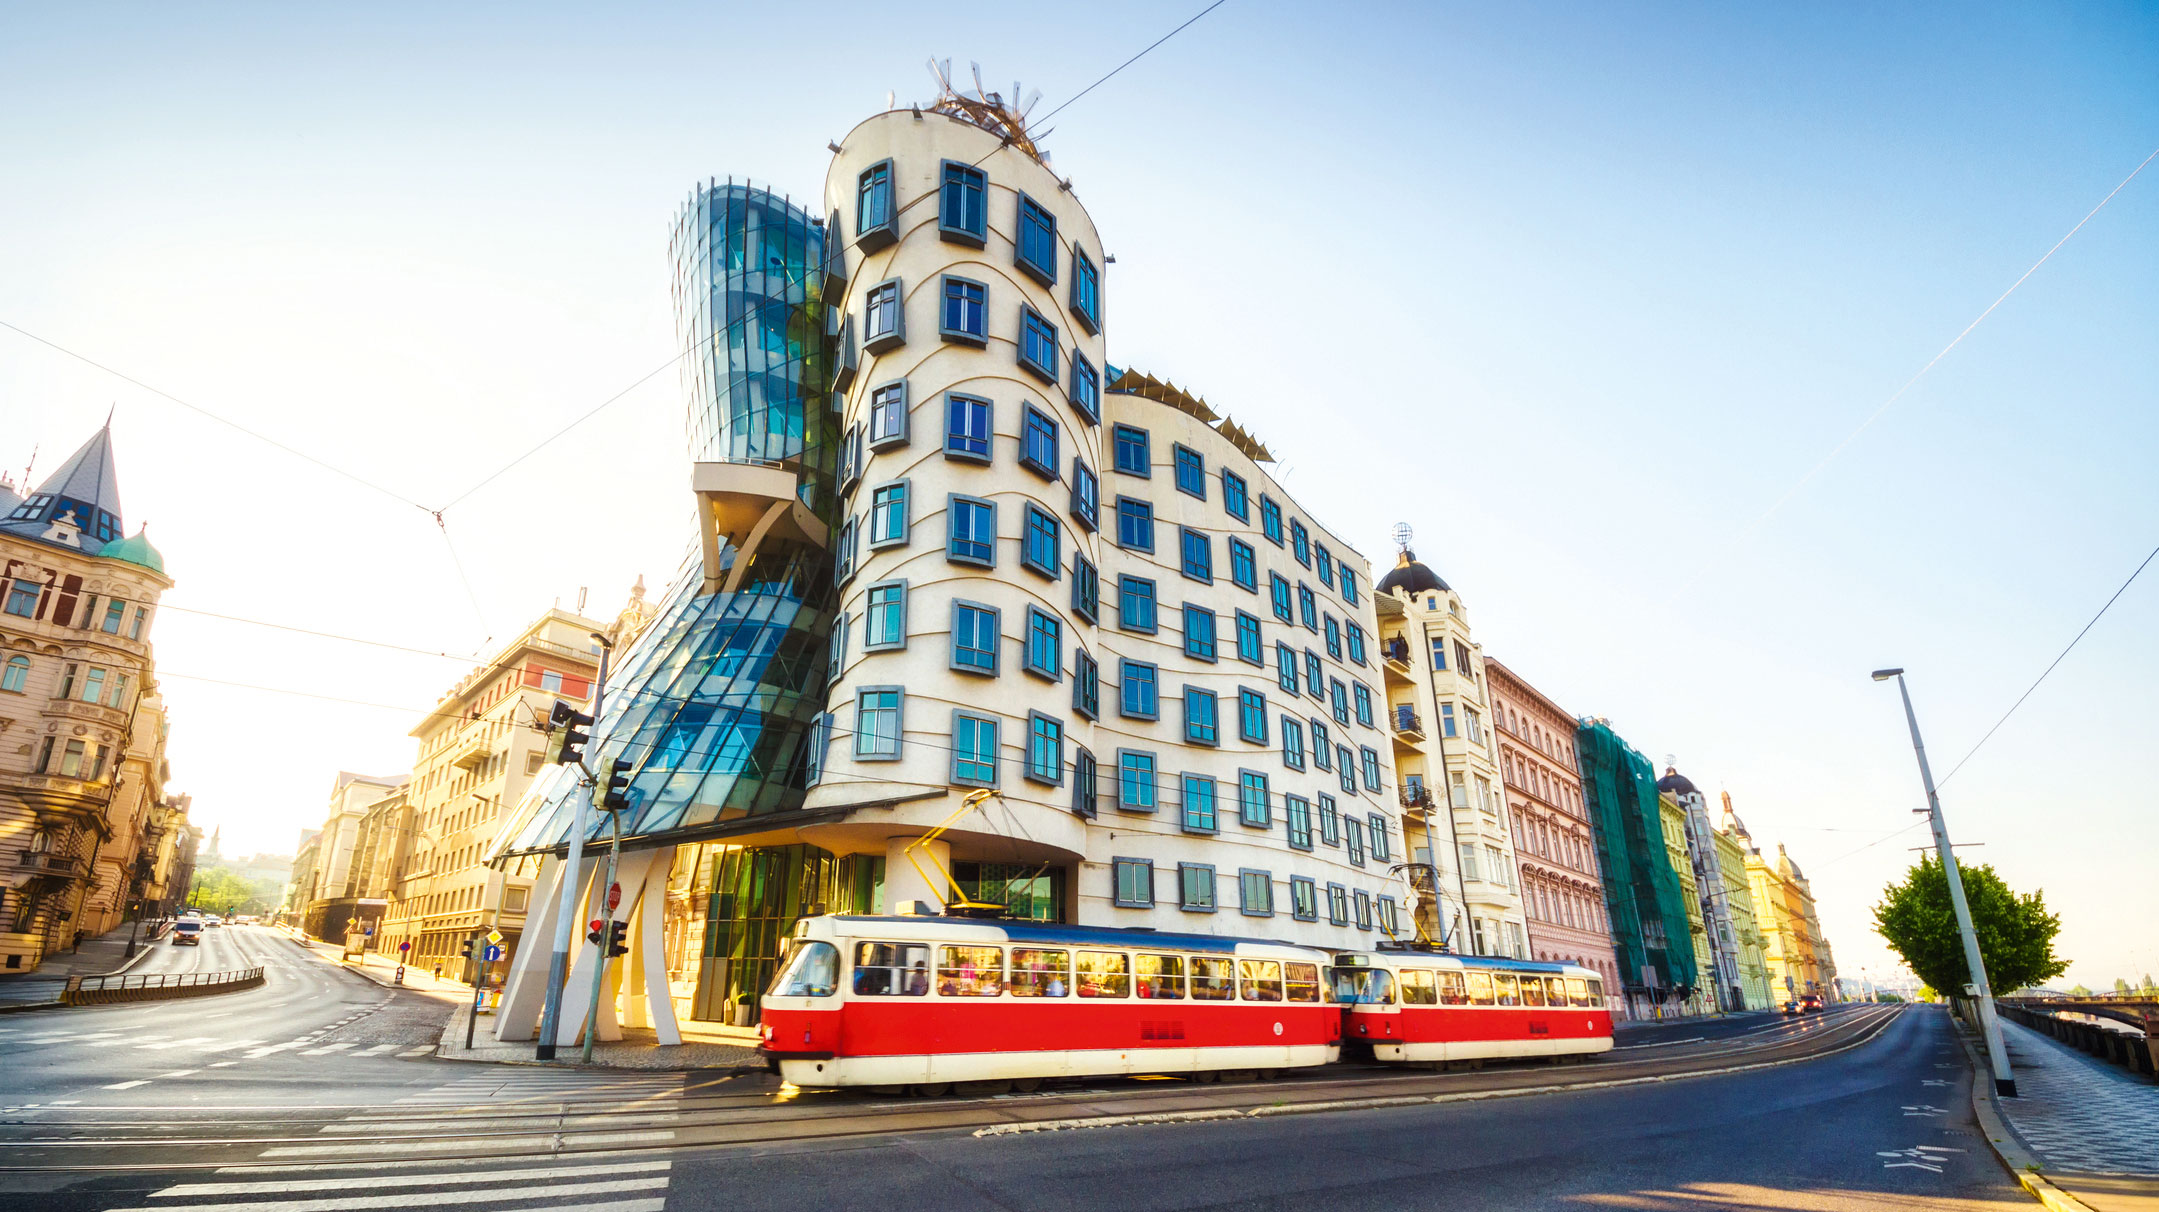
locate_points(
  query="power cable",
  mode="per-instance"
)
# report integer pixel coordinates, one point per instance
(1134, 59)
(594, 411)
(327, 635)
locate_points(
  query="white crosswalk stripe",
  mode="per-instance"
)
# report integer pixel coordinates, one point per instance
(529, 1192)
(326, 1049)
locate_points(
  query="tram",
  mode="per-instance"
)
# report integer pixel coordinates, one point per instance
(925, 1002)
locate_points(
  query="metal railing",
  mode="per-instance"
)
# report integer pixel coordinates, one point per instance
(1405, 720)
(150, 986)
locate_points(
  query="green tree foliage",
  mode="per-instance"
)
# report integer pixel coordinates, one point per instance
(2016, 933)
(2122, 986)
(2148, 986)
(2079, 991)
(225, 892)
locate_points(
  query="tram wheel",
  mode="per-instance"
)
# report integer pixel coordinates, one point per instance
(933, 1089)
(1207, 1076)
(1027, 1085)
(1270, 1075)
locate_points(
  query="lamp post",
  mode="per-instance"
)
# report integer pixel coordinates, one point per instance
(1989, 1026)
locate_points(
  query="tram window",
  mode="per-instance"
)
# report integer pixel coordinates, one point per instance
(1533, 991)
(1037, 973)
(1262, 980)
(1302, 981)
(1577, 991)
(1161, 977)
(970, 971)
(1418, 988)
(1505, 990)
(1213, 980)
(1364, 986)
(1555, 991)
(1480, 988)
(812, 971)
(1451, 990)
(1596, 992)
(892, 969)
(1103, 974)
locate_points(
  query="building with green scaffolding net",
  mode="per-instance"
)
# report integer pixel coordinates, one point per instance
(1648, 911)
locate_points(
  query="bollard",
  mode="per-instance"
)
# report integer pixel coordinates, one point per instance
(399, 979)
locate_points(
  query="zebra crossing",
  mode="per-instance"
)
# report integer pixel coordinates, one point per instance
(616, 1184)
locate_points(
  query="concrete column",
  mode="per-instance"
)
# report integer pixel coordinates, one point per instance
(904, 883)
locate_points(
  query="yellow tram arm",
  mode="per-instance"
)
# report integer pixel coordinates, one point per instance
(971, 801)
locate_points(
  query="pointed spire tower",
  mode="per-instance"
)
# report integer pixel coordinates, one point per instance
(76, 506)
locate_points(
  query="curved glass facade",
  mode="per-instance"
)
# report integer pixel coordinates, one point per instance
(714, 703)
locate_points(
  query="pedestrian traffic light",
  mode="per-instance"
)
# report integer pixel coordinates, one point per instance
(569, 745)
(618, 939)
(596, 929)
(617, 798)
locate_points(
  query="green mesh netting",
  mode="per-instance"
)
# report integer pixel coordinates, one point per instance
(1648, 911)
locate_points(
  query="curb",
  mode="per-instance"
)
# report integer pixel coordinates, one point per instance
(140, 956)
(446, 1050)
(2022, 1166)
(1418, 1100)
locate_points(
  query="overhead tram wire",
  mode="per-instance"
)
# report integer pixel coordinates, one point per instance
(327, 635)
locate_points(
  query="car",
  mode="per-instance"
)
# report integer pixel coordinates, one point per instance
(1810, 1004)
(187, 932)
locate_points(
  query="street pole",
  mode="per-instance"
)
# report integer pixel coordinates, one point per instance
(558, 965)
(599, 964)
(479, 990)
(1997, 1055)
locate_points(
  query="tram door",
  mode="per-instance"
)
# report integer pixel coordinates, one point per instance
(1369, 1007)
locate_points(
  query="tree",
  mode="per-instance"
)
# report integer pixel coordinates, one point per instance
(2122, 986)
(2016, 933)
(2148, 986)
(2079, 991)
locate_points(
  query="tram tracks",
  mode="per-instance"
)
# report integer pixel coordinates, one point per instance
(700, 1115)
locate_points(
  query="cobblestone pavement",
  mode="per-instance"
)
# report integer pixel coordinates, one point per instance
(2080, 1114)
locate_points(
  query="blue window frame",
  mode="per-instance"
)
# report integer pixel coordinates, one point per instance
(1333, 631)
(1038, 442)
(884, 317)
(1086, 589)
(1388, 919)
(1325, 560)
(1135, 524)
(875, 217)
(1086, 494)
(1252, 716)
(1298, 810)
(1364, 909)
(1278, 591)
(1086, 393)
(1369, 760)
(1086, 300)
(1330, 821)
(877, 723)
(1255, 893)
(1035, 252)
(1234, 497)
(965, 316)
(1345, 762)
(974, 638)
(885, 618)
(1376, 830)
(844, 553)
(1307, 607)
(1195, 887)
(1137, 695)
(1255, 807)
(1303, 898)
(1136, 789)
(1349, 585)
(1338, 904)
(1202, 723)
(1129, 444)
(1045, 655)
(889, 519)
(1045, 749)
(1197, 562)
(1191, 471)
(1243, 565)
(1199, 807)
(1292, 743)
(1364, 705)
(1353, 840)
(1085, 779)
(1356, 644)
(1313, 678)
(1132, 883)
(974, 749)
(967, 428)
(1038, 345)
(889, 415)
(1300, 542)
(1043, 548)
(1322, 746)
(1199, 632)
(1338, 701)
(1086, 685)
(1249, 648)
(1285, 666)
(963, 204)
(1136, 604)
(971, 531)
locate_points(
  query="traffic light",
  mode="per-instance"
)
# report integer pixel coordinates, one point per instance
(596, 929)
(569, 746)
(464, 949)
(618, 939)
(618, 786)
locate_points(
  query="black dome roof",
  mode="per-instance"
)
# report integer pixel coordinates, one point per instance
(1411, 576)
(1676, 783)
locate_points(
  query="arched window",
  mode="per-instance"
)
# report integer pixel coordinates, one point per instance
(17, 674)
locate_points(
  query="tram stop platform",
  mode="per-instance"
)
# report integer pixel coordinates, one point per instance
(2089, 1128)
(705, 1047)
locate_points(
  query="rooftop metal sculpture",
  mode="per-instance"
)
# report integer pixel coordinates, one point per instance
(1002, 117)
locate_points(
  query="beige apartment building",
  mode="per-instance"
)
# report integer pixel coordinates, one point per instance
(333, 899)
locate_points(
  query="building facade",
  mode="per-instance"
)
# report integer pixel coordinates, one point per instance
(1644, 902)
(1739, 900)
(338, 906)
(1722, 939)
(1784, 913)
(1701, 997)
(1554, 844)
(82, 733)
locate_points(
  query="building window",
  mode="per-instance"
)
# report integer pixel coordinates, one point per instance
(1270, 519)
(1378, 829)
(1303, 898)
(971, 534)
(1085, 784)
(1330, 821)
(1312, 675)
(1298, 810)
(1038, 345)
(1285, 663)
(1369, 760)
(1278, 593)
(1086, 388)
(965, 317)
(1201, 725)
(1349, 585)
(1130, 447)
(1389, 921)
(1300, 542)
(1254, 806)
(1086, 685)
(1045, 749)
(877, 723)
(1475, 725)
(876, 218)
(1043, 548)
(1136, 781)
(1307, 607)
(886, 624)
(1243, 567)
(962, 205)
(1446, 717)
(974, 749)
(967, 428)
(1195, 886)
(1333, 632)
(115, 611)
(17, 675)
(1345, 762)
(1132, 883)
(1338, 904)
(851, 459)
(1135, 524)
(1199, 637)
(1338, 701)
(1234, 498)
(1325, 560)
(1036, 249)
(1321, 746)
(974, 638)
(1045, 645)
(844, 552)
(1356, 643)
(1135, 604)
(1086, 494)
(889, 517)
(836, 649)
(1137, 690)
(1191, 471)
(1197, 555)
(888, 415)
(1086, 588)
(1255, 893)
(1252, 716)
(1364, 704)
(1249, 649)
(1038, 442)
(1292, 743)
(1086, 291)
(884, 320)
(1199, 807)
(1364, 909)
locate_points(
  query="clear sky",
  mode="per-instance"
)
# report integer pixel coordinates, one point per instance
(1579, 292)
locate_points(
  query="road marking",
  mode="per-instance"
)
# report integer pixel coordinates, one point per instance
(552, 1140)
(377, 1050)
(179, 1073)
(107, 1043)
(1933, 1081)
(223, 1064)
(63, 1102)
(426, 1199)
(178, 1043)
(1918, 1157)
(326, 1049)
(128, 1085)
(412, 1180)
(428, 1051)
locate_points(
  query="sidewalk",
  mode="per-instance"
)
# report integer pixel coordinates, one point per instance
(100, 956)
(383, 971)
(2091, 1128)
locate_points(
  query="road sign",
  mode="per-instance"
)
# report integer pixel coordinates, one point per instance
(614, 896)
(494, 936)
(404, 946)
(370, 932)
(491, 954)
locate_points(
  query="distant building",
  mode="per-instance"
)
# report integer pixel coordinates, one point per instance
(1754, 988)
(1651, 935)
(1700, 998)
(1793, 947)
(1721, 941)
(338, 903)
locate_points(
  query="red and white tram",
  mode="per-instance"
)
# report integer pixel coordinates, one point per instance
(1433, 1007)
(923, 1001)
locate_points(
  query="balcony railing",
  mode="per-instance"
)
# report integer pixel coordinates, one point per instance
(1416, 795)
(45, 862)
(1406, 722)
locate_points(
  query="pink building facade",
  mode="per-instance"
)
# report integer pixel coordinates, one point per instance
(1554, 848)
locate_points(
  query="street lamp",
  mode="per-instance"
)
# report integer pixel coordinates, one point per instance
(1989, 1026)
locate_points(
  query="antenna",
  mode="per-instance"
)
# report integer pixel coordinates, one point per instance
(1403, 533)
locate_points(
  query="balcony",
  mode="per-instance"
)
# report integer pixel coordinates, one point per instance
(1416, 796)
(1394, 659)
(47, 863)
(1407, 727)
(739, 506)
(474, 753)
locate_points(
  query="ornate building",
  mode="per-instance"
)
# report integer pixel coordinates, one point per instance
(1721, 938)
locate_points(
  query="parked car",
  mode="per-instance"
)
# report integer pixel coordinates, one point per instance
(187, 932)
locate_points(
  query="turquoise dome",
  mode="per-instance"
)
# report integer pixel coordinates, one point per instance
(135, 549)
